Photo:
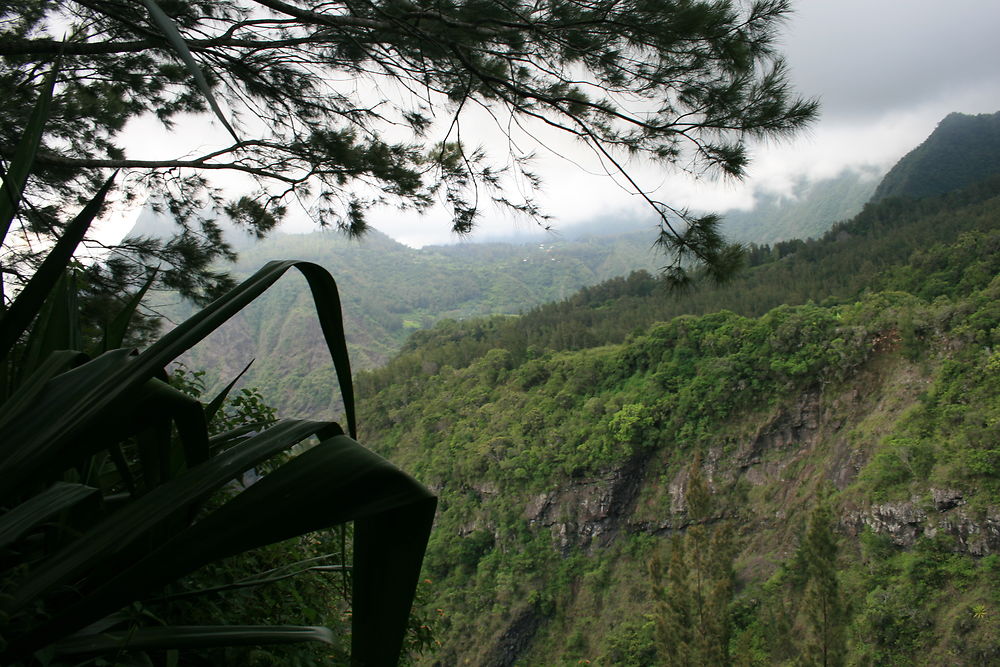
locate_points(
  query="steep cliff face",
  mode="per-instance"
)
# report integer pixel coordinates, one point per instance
(590, 513)
(563, 472)
(561, 570)
(974, 533)
(805, 442)
(770, 473)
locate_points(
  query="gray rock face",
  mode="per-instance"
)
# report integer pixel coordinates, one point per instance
(947, 499)
(903, 521)
(906, 521)
(515, 639)
(786, 434)
(589, 513)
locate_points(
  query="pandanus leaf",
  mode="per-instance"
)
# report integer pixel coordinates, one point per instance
(114, 335)
(173, 36)
(213, 406)
(28, 303)
(16, 176)
(48, 435)
(329, 484)
(151, 541)
(193, 637)
(127, 526)
(27, 515)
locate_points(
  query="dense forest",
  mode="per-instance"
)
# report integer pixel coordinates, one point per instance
(576, 451)
(877, 250)
(391, 291)
(805, 452)
(804, 459)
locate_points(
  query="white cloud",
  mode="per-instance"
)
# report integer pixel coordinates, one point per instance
(886, 73)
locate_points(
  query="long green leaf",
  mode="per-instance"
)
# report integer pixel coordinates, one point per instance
(29, 514)
(17, 417)
(180, 46)
(24, 155)
(135, 520)
(255, 582)
(76, 412)
(153, 445)
(56, 363)
(57, 326)
(121, 465)
(18, 317)
(326, 300)
(194, 637)
(49, 434)
(189, 418)
(225, 440)
(153, 403)
(118, 327)
(333, 482)
(213, 406)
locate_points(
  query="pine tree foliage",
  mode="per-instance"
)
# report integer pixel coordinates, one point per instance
(346, 104)
(824, 607)
(692, 619)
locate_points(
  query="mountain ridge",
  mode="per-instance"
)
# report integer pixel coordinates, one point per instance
(962, 150)
(562, 470)
(560, 445)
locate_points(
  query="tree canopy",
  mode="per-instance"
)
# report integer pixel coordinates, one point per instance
(344, 104)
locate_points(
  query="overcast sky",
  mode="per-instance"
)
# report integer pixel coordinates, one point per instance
(884, 71)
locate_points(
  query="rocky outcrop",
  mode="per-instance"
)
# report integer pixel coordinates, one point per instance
(589, 513)
(791, 430)
(515, 639)
(904, 522)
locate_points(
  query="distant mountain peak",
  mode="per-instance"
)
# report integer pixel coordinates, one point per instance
(159, 224)
(963, 149)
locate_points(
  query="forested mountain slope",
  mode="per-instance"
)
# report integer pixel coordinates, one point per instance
(849, 448)
(390, 290)
(962, 150)
(852, 257)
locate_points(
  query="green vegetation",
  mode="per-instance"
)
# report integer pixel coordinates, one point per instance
(558, 442)
(825, 610)
(896, 245)
(693, 600)
(115, 488)
(962, 150)
(390, 290)
(841, 397)
(134, 509)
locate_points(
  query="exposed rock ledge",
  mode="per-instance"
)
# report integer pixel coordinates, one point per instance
(906, 521)
(589, 512)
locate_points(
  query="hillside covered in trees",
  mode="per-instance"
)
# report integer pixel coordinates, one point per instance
(875, 250)
(961, 151)
(800, 463)
(391, 291)
(814, 442)
(813, 482)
